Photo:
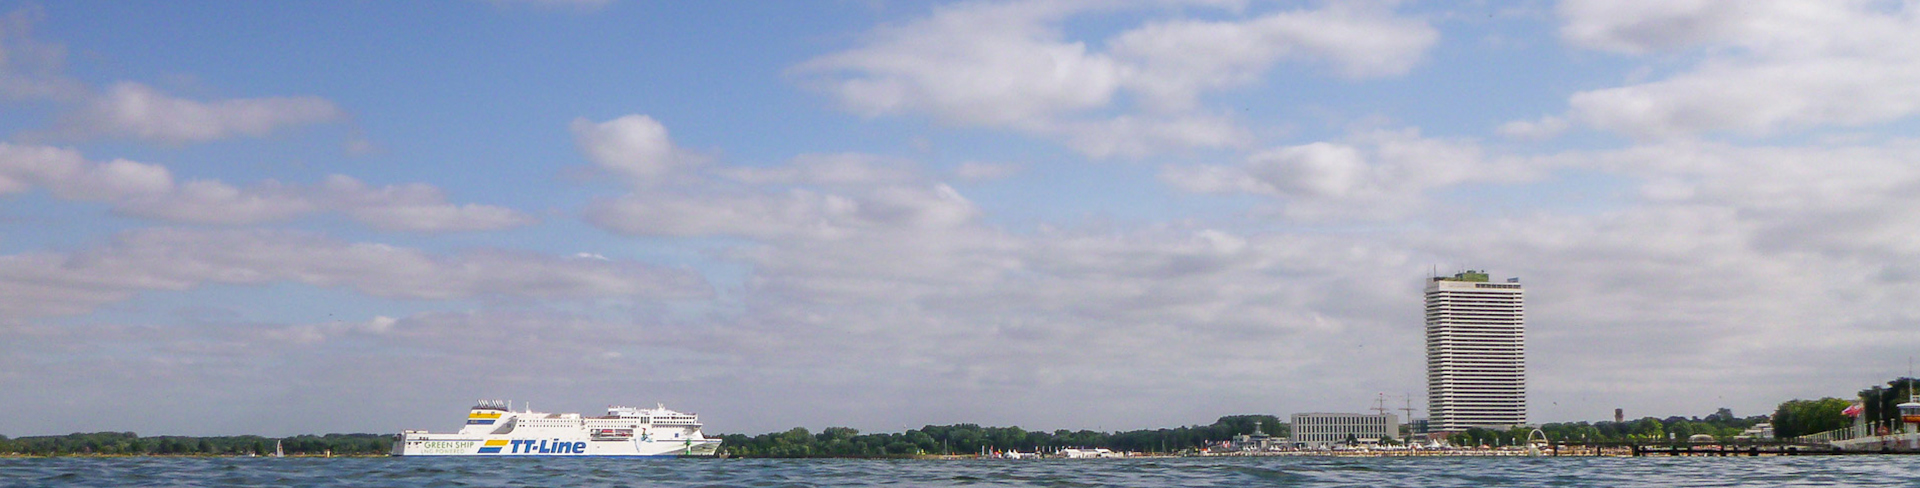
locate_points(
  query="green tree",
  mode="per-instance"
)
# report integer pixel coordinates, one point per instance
(1795, 418)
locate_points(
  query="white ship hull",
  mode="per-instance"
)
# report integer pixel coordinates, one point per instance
(493, 429)
(450, 445)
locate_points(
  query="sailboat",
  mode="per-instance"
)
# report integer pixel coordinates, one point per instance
(277, 452)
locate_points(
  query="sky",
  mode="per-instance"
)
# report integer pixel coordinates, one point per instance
(278, 218)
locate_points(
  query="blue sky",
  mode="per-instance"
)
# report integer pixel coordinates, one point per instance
(1046, 213)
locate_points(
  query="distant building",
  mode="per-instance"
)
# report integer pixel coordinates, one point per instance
(1476, 353)
(1259, 440)
(1328, 429)
(1417, 426)
(1619, 415)
(1760, 431)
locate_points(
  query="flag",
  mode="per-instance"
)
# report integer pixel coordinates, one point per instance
(1853, 410)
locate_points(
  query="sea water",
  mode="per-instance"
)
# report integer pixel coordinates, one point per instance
(1892, 470)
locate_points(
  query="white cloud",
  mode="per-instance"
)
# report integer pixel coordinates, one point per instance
(840, 169)
(69, 175)
(1011, 65)
(795, 212)
(1136, 136)
(415, 207)
(46, 283)
(1178, 60)
(214, 202)
(980, 63)
(150, 191)
(635, 146)
(1377, 174)
(1763, 26)
(819, 196)
(1544, 128)
(315, 333)
(34, 70)
(134, 110)
(1763, 67)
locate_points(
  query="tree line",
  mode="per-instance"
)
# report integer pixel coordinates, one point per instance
(1792, 418)
(1723, 425)
(128, 443)
(971, 439)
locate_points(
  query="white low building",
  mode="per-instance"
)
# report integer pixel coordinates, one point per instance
(1330, 429)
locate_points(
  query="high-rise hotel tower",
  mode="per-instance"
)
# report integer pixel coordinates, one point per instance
(1476, 353)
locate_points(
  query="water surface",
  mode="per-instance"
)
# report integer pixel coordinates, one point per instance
(1203, 472)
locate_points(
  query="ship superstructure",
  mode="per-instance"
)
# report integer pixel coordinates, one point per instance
(493, 428)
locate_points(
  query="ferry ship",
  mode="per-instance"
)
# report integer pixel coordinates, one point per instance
(494, 429)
